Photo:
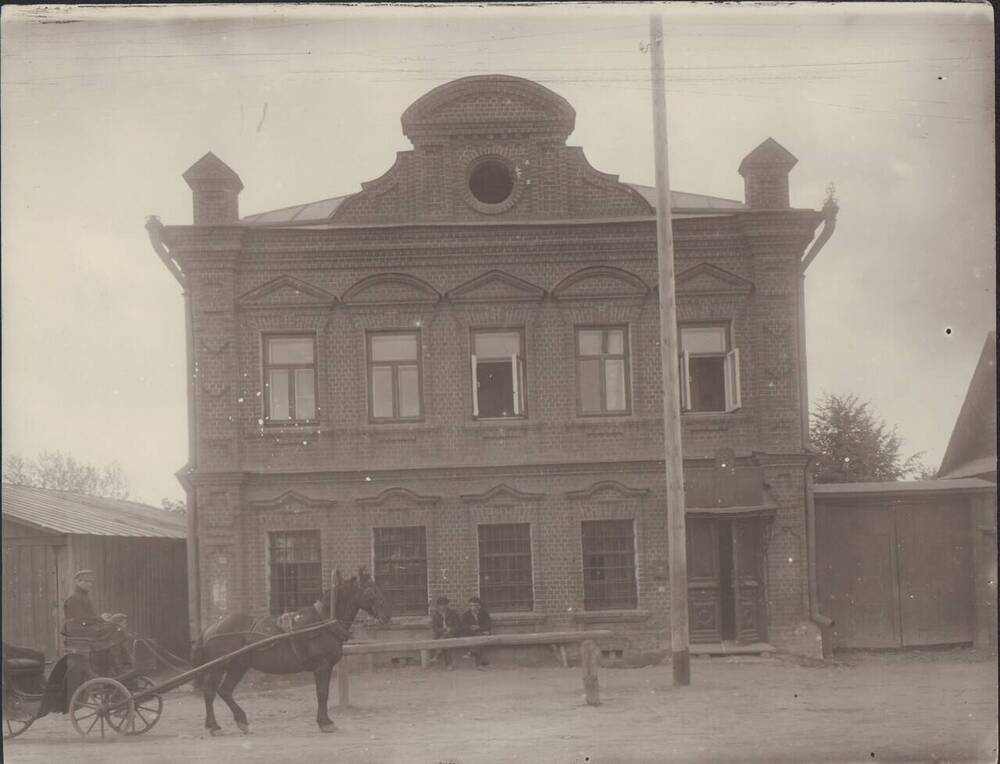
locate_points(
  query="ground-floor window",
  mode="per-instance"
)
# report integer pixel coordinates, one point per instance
(401, 568)
(609, 565)
(296, 570)
(505, 567)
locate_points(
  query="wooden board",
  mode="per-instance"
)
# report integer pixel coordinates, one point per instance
(896, 574)
(934, 549)
(855, 571)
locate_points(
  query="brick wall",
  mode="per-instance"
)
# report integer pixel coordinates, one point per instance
(342, 285)
(344, 475)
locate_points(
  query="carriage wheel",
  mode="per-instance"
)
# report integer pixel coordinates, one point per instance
(147, 709)
(14, 727)
(101, 706)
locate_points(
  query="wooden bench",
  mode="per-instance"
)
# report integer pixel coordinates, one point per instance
(588, 653)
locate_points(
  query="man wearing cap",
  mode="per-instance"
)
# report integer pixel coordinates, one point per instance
(445, 624)
(79, 610)
(476, 623)
(86, 631)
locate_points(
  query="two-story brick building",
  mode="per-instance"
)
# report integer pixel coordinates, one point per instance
(453, 377)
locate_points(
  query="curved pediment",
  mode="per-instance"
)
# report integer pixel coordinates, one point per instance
(293, 502)
(286, 291)
(496, 286)
(497, 103)
(706, 278)
(502, 494)
(600, 282)
(608, 490)
(388, 288)
(398, 498)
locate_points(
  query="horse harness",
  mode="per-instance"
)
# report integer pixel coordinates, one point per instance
(288, 623)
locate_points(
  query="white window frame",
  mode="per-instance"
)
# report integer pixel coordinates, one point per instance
(730, 372)
(516, 371)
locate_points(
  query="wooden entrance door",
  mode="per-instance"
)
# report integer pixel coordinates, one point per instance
(725, 583)
(746, 580)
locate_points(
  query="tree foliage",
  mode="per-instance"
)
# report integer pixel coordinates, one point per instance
(856, 445)
(174, 505)
(53, 469)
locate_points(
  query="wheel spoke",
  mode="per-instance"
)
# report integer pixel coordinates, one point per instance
(80, 718)
(96, 717)
(102, 726)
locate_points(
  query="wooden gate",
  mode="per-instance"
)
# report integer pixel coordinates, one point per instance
(32, 597)
(896, 574)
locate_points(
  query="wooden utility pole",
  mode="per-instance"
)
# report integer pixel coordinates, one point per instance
(669, 353)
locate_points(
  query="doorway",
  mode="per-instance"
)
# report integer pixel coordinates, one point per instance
(725, 579)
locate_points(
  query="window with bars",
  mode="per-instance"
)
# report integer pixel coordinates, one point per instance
(296, 570)
(609, 565)
(290, 378)
(401, 568)
(602, 371)
(505, 583)
(393, 376)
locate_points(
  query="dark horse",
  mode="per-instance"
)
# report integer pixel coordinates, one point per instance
(316, 651)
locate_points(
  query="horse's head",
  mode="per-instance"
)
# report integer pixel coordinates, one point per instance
(372, 601)
(349, 595)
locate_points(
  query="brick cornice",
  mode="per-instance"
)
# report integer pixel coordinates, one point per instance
(546, 469)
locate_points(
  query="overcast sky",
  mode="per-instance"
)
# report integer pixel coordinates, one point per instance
(893, 104)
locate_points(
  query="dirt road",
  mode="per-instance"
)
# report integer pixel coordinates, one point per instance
(911, 707)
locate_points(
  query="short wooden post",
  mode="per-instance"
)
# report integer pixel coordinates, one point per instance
(343, 683)
(588, 662)
(425, 658)
(562, 656)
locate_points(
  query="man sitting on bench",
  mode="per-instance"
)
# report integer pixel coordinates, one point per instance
(445, 623)
(476, 623)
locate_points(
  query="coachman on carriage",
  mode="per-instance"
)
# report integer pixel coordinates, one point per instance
(101, 685)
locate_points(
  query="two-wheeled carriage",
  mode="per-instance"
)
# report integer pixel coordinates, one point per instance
(106, 704)
(93, 705)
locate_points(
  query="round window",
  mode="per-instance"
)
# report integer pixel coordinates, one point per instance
(491, 182)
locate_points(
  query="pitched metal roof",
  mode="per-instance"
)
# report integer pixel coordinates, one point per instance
(65, 512)
(322, 211)
(682, 200)
(904, 486)
(300, 213)
(982, 466)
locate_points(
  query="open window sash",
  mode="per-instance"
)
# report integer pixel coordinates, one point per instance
(684, 360)
(517, 378)
(732, 373)
(475, 386)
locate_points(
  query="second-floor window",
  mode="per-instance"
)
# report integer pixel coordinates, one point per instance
(394, 376)
(497, 374)
(290, 378)
(710, 369)
(602, 370)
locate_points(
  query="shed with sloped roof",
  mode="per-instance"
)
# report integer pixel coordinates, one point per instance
(137, 552)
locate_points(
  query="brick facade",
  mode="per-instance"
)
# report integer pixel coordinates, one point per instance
(412, 252)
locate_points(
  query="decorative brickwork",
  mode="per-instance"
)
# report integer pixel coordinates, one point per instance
(575, 248)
